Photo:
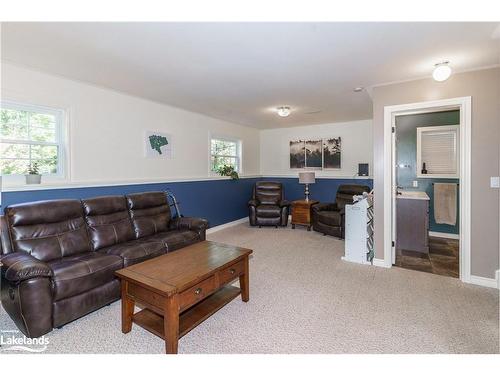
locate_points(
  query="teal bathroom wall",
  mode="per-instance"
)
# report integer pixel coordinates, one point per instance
(406, 153)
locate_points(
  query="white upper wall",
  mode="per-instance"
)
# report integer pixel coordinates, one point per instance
(357, 147)
(107, 129)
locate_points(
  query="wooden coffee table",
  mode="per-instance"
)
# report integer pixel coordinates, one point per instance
(181, 289)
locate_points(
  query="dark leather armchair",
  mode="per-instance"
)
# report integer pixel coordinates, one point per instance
(329, 218)
(268, 205)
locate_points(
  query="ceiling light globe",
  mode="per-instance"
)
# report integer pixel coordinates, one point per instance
(441, 72)
(283, 111)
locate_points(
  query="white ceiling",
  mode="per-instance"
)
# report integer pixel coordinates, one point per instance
(239, 72)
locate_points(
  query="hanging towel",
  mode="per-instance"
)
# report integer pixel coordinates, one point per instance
(445, 203)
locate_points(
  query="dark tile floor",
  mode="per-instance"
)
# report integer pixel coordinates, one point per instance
(441, 260)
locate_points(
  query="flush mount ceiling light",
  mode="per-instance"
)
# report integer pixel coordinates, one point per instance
(358, 89)
(283, 111)
(442, 71)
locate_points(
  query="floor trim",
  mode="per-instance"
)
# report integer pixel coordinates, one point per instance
(227, 225)
(380, 263)
(486, 281)
(452, 236)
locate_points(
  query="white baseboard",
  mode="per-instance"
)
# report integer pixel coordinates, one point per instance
(227, 225)
(486, 281)
(380, 263)
(444, 235)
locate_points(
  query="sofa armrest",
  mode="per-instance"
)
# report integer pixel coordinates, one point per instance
(325, 207)
(253, 202)
(20, 266)
(284, 203)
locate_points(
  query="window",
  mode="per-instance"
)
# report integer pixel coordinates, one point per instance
(438, 147)
(224, 152)
(29, 135)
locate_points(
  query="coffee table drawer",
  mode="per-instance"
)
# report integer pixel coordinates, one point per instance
(196, 293)
(232, 272)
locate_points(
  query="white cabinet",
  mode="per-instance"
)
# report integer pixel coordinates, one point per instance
(359, 231)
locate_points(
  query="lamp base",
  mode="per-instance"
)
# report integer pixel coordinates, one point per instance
(306, 193)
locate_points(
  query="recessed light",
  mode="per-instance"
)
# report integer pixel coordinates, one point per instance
(283, 111)
(358, 89)
(442, 71)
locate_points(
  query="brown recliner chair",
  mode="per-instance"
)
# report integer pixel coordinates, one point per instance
(268, 205)
(58, 258)
(329, 218)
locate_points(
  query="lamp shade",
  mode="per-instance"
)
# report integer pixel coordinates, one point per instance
(307, 178)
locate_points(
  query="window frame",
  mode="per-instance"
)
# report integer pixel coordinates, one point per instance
(61, 140)
(238, 156)
(450, 128)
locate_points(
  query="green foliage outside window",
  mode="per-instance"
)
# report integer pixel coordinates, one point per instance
(224, 154)
(27, 138)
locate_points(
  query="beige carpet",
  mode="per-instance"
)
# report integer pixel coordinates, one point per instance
(305, 299)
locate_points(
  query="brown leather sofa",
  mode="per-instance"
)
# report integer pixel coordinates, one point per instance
(329, 218)
(59, 257)
(268, 205)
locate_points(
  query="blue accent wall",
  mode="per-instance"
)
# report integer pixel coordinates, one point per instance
(406, 153)
(219, 201)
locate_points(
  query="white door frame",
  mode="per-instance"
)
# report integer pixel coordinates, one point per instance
(464, 104)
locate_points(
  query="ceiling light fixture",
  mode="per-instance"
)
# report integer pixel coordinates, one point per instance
(442, 71)
(358, 89)
(283, 111)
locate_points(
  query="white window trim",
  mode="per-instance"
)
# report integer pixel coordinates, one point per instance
(61, 116)
(420, 130)
(239, 152)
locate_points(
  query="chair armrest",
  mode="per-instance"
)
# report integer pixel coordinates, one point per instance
(190, 223)
(253, 202)
(284, 203)
(20, 266)
(325, 207)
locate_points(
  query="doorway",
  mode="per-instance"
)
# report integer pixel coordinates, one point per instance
(426, 171)
(391, 114)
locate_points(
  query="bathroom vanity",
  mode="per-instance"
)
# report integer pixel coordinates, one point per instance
(412, 221)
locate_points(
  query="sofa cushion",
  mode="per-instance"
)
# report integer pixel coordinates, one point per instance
(268, 210)
(79, 273)
(176, 239)
(136, 251)
(48, 230)
(332, 218)
(150, 213)
(108, 221)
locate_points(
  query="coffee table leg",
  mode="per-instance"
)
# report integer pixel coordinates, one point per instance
(127, 308)
(244, 283)
(171, 324)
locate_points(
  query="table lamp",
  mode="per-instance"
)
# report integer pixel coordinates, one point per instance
(307, 178)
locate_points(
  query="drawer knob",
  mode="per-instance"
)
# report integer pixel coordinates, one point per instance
(197, 291)
(232, 271)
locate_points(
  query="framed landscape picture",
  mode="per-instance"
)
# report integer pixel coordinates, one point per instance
(332, 153)
(158, 145)
(297, 154)
(313, 154)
